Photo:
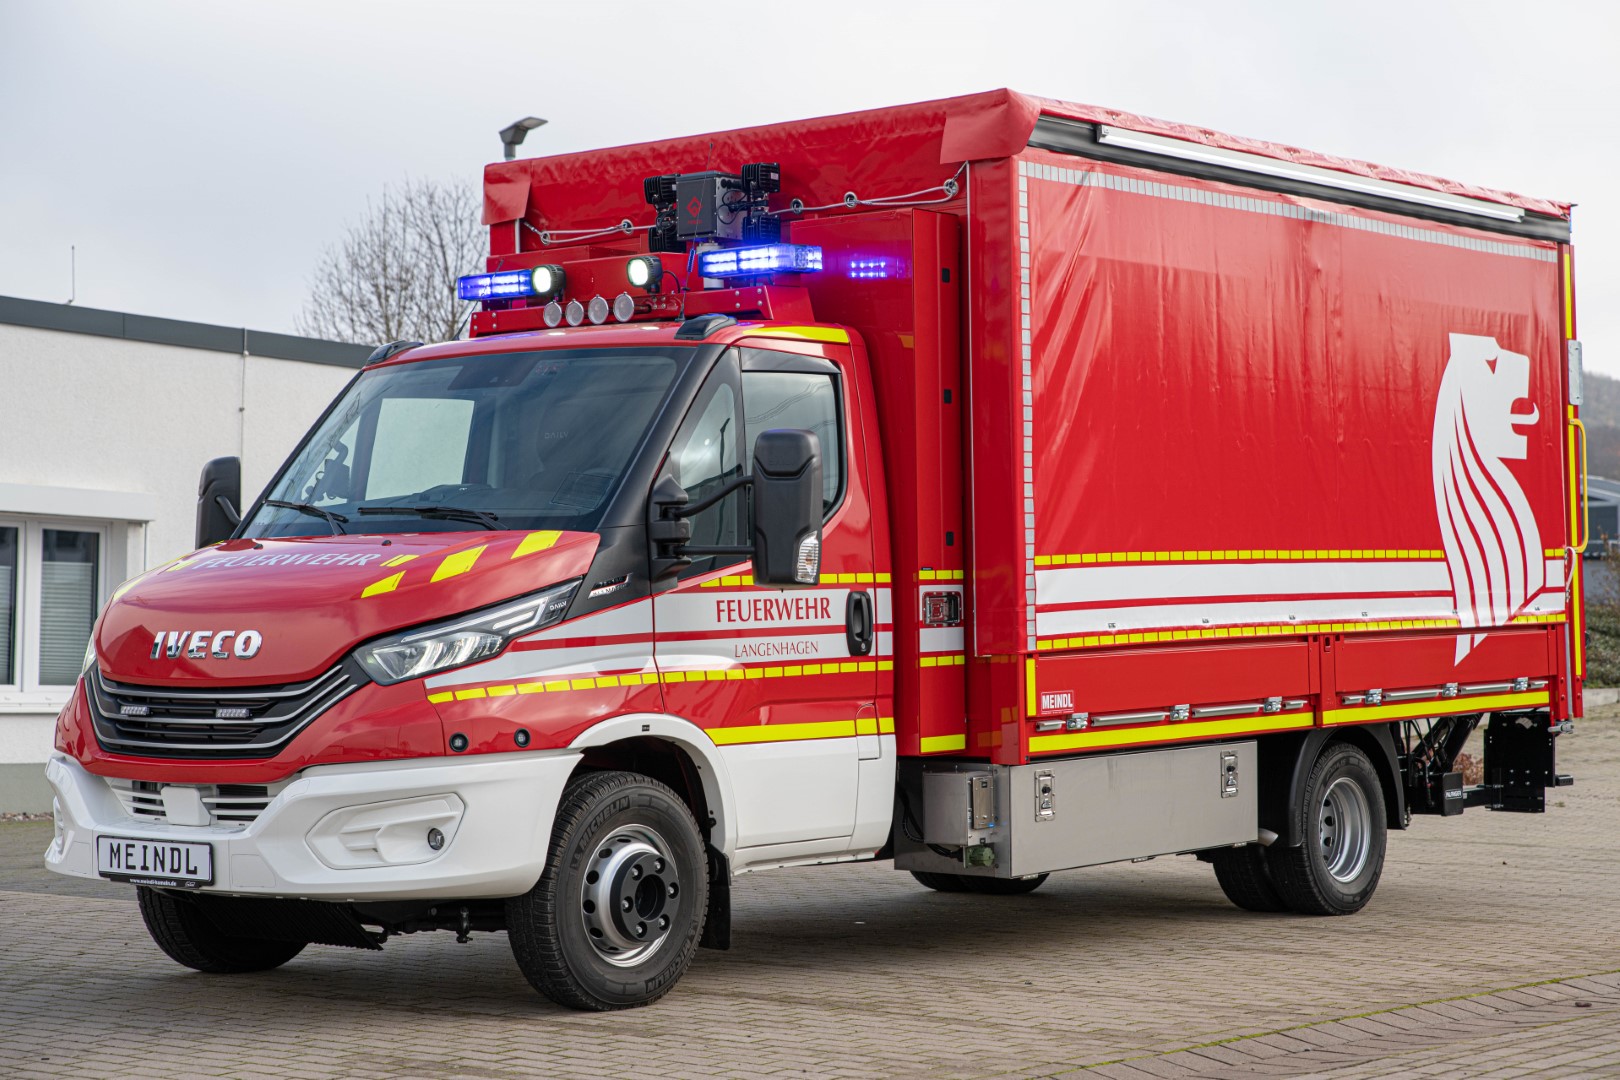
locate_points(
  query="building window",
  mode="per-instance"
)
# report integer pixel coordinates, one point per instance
(8, 605)
(52, 582)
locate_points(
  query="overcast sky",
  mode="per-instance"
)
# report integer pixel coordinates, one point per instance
(201, 155)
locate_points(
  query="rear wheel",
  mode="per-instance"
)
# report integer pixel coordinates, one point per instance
(985, 886)
(184, 931)
(1341, 818)
(618, 911)
(1246, 879)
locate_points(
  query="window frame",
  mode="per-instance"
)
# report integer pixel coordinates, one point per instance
(755, 360)
(28, 689)
(726, 372)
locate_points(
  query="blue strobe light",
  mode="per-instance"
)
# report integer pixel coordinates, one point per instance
(766, 259)
(511, 284)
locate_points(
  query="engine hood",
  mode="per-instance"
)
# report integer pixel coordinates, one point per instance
(310, 600)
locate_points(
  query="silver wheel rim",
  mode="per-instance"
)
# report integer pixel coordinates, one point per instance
(631, 895)
(1344, 829)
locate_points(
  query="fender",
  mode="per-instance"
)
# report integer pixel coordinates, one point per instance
(712, 771)
(1286, 760)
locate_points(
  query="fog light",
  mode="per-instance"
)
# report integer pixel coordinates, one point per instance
(624, 306)
(395, 833)
(521, 737)
(552, 313)
(598, 311)
(574, 313)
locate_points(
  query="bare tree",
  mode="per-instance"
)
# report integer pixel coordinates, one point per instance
(393, 275)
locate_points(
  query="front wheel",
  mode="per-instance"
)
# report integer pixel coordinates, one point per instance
(984, 886)
(1341, 818)
(188, 936)
(618, 911)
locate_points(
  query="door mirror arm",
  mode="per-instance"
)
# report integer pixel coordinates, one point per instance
(787, 506)
(682, 509)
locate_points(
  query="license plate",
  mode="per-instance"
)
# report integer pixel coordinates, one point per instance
(155, 862)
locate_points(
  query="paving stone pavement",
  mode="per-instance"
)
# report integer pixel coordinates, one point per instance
(1491, 949)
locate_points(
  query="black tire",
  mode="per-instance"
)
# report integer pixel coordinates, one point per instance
(184, 932)
(1341, 818)
(618, 837)
(984, 886)
(1245, 878)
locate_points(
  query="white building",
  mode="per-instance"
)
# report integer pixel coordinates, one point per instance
(106, 420)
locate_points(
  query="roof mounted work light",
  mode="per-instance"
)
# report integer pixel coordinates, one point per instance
(644, 272)
(755, 261)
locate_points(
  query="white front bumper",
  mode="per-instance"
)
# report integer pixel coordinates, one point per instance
(495, 848)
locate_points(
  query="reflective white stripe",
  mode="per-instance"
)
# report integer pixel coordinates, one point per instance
(1026, 384)
(529, 665)
(1155, 616)
(735, 652)
(538, 664)
(942, 639)
(713, 653)
(1154, 581)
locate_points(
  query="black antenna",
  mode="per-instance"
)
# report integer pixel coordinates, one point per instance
(710, 160)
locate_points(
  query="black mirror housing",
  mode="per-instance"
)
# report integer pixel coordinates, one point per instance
(787, 508)
(219, 493)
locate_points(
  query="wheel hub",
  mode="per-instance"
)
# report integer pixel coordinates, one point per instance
(1344, 829)
(631, 895)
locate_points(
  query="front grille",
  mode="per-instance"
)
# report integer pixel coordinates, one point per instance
(236, 722)
(227, 804)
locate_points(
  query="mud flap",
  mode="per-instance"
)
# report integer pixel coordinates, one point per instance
(717, 927)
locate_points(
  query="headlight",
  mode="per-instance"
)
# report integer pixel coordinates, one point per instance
(462, 640)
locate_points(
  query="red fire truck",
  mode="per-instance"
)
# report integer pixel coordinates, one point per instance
(994, 485)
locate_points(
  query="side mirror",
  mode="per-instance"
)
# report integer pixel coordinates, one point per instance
(787, 508)
(219, 493)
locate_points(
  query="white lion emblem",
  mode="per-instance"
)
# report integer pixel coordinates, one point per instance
(1493, 547)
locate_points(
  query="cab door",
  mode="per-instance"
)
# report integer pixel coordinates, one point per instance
(785, 681)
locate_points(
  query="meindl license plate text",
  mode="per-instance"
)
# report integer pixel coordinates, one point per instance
(155, 862)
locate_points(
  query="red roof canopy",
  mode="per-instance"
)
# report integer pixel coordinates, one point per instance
(873, 153)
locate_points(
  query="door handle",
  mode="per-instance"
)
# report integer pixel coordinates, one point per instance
(860, 619)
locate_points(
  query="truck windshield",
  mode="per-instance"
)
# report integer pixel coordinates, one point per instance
(510, 441)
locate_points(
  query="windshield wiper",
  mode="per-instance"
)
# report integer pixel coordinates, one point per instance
(443, 513)
(337, 521)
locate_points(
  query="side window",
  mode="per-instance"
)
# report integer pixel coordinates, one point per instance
(707, 455)
(793, 399)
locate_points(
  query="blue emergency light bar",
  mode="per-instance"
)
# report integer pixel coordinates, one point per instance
(753, 261)
(510, 284)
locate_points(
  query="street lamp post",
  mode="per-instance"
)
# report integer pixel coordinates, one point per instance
(513, 134)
